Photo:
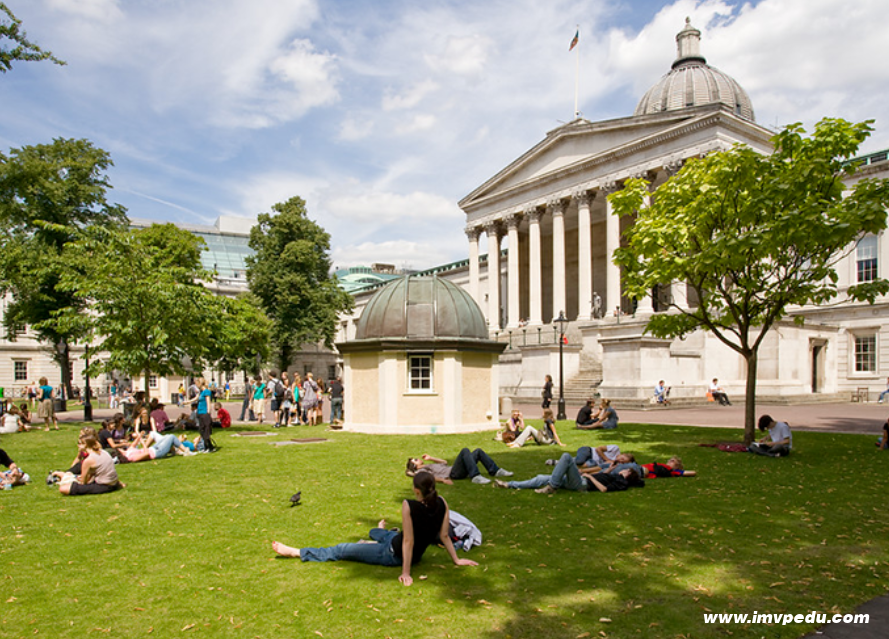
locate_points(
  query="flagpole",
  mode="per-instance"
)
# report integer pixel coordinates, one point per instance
(576, 74)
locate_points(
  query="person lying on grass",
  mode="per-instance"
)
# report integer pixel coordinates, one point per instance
(593, 457)
(98, 474)
(673, 468)
(544, 437)
(466, 465)
(621, 462)
(568, 476)
(142, 448)
(425, 522)
(13, 477)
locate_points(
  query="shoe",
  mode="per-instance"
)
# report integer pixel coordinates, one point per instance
(550, 462)
(478, 479)
(215, 449)
(50, 479)
(500, 484)
(26, 478)
(502, 472)
(549, 489)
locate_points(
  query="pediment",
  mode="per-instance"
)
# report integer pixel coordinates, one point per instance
(573, 147)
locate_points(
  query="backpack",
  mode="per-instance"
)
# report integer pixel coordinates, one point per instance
(279, 390)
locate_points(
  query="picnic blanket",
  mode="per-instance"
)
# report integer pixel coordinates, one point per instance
(727, 447)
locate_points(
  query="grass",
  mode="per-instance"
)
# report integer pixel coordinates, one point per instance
(185, 548)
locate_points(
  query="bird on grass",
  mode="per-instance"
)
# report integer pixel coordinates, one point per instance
(294, 499)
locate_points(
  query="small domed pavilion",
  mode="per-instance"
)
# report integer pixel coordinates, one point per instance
(421, 362)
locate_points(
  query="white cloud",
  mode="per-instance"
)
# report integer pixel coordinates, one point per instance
(419, 122)
(98, 10)
(311, 74)
(462, 55)
(355, 128)
(403, 253)
(410, 98)
(365, 205)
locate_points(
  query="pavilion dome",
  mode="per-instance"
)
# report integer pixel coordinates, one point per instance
(692, 82)
(422, 309)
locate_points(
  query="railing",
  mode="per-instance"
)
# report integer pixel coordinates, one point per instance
(528, 336)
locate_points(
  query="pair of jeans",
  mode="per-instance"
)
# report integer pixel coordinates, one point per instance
(565, 475)
(378, 554)
(466, 464)
(531, 432)
(336, 408)
(164, 445)
(245, 405)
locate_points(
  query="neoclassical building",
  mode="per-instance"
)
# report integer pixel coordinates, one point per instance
(541, 235)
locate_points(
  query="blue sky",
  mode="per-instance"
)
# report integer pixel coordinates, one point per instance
(383, 114)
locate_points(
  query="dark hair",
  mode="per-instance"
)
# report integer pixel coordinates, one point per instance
(425, 483)
(633, 478)
(508, 436)
(765, 421)
(411, 467)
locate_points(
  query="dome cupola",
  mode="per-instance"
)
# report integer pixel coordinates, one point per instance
(692, 82)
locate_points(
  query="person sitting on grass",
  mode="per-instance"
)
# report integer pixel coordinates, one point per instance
(25, 416)
(777, 443)
(466, 465)
(425, 521)
(143, 450)
(98, 474)
(160, 421)
(13, 477)
(10, 422)
(673, 468)
(568, 476)
(883, 442)
(585, 415)
(544, 437)
(223, 417)
(606, 417)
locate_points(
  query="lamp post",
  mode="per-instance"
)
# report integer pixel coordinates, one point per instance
(561, 320)
(87, 402)
(61, 348)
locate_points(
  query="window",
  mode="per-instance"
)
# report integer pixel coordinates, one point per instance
(866, 256)
(21, 372)
(420, 372)
(152, 381)
(865, 353)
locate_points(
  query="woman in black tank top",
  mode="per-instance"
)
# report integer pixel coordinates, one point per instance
(425, 522)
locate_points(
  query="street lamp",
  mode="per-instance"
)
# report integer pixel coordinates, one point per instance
(61, 348)
(87, 403)
(561, 320)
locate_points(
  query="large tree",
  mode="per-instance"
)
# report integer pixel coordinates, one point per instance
(752, 236)
(14, 43)
(148, 310)
(290, 273)
(49, 193)
(242, 336)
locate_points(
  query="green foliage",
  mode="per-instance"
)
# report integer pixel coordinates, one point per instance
(147, 308)
(752, 235)
(14, 44)
(185, 548)
(48, 194)
(242, 335)
(290, 274)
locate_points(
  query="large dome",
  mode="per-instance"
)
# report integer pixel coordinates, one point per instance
(692, 82)
(424, 309)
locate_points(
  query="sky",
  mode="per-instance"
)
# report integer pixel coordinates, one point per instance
(383, 114)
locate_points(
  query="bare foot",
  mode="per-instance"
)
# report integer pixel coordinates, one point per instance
(382, 524)
(284, 551)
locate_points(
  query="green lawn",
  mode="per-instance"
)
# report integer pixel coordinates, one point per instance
(185, 548)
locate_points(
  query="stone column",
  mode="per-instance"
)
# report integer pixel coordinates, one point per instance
(472, 232)
(512, 275)
(644, 304)
(557, 208)
(535, 268)
(612, 242)
(584, 255)
(493, 231)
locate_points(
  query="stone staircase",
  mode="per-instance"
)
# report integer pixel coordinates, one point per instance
(583, 386)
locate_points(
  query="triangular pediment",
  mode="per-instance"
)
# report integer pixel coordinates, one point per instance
(578, 145)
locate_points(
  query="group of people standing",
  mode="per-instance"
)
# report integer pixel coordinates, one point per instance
(292, 401)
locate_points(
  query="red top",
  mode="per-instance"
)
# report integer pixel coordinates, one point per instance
(225, 419)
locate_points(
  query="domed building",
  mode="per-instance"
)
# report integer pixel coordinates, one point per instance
(421, 362)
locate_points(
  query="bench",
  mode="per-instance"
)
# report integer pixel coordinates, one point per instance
(860, 394)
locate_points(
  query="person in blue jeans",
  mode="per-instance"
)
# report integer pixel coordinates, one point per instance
(142, 450)
(567, 476)
(466, 465)
(425, 521)
(205, 422)
(884, 393)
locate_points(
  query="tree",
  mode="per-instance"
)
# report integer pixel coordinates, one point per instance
(242, 337)
(147, 309)
(752, 236)
(18, 48)
(49, 193)
(290, 274)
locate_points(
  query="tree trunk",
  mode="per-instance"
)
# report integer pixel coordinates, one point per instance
(750, 406)
(145, 385)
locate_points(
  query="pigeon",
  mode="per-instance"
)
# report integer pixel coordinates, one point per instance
(294, 499)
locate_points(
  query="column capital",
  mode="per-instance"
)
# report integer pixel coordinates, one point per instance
(534, 214)
(672, 167)
(473, 232)
(492, 227)
(556, 206)
(513, 220)
(584, 196)
(610, 187)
